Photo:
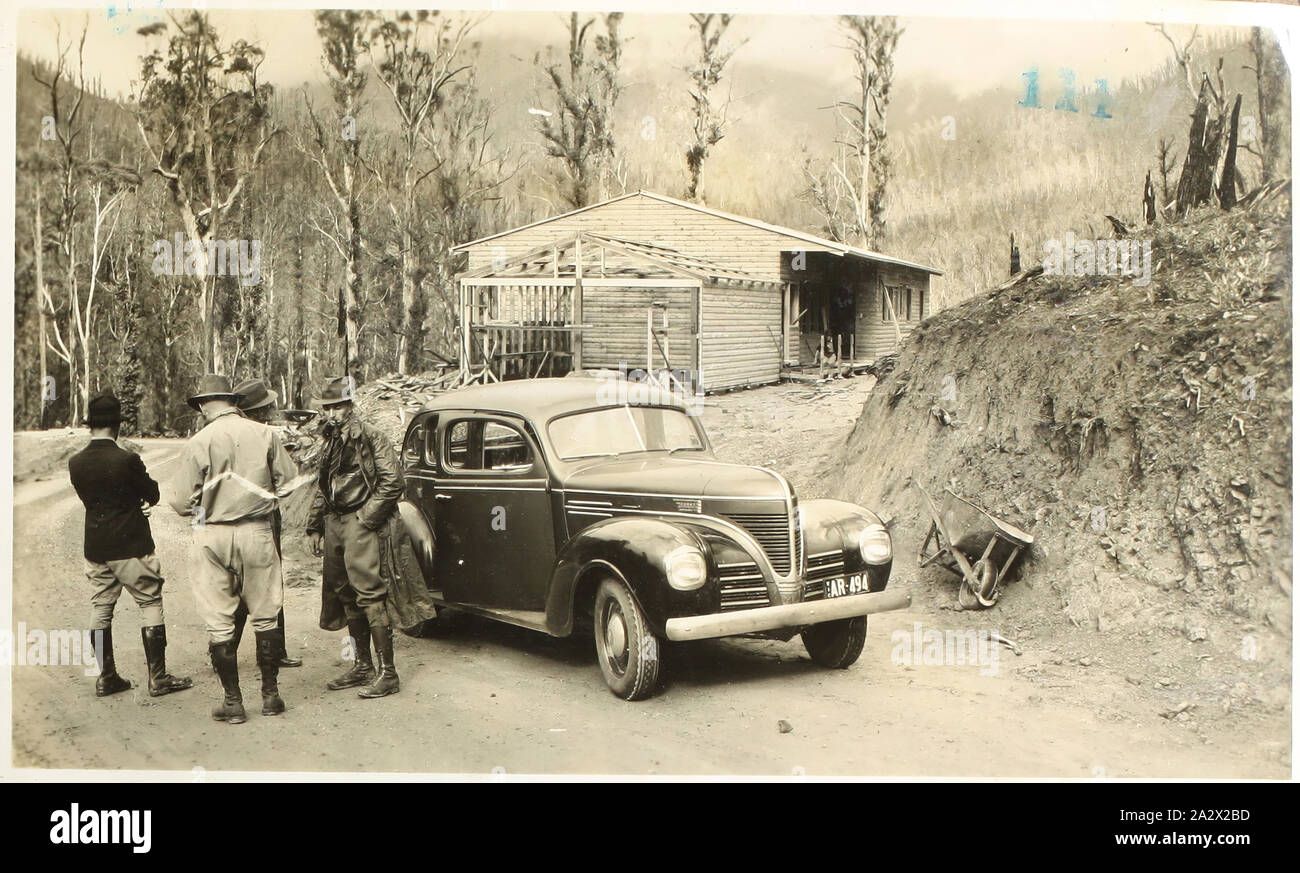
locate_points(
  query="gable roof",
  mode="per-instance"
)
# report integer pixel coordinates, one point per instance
(662, 257)
(836, 247)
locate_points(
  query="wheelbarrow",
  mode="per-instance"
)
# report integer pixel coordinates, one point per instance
(972, 544)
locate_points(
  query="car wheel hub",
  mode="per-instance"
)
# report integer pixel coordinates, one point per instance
(615, 636)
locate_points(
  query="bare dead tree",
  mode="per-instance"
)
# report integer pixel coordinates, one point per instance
(108, 185)
(1165, 162)
(66, 100)
(1271, 90)
(710, 122)
(852, 191)
(416, 72)
(335, 148)
(1182, 56)
(1209, 167)
(579, 132)
(472, 171)
(204, 118)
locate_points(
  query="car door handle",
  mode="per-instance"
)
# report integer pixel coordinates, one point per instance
(442, 497)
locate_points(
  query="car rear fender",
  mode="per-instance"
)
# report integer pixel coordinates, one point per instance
(421, 534)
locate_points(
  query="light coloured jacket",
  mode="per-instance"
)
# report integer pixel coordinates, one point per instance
(231, 470)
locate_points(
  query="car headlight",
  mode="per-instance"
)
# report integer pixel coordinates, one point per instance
(874, 544)
(686, 568)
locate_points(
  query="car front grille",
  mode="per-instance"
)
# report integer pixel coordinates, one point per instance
(742, 586)
(821, 567)
(772, 530)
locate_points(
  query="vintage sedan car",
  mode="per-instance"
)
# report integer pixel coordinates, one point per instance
(560, 504)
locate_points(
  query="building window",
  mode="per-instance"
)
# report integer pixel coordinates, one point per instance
(896, 299)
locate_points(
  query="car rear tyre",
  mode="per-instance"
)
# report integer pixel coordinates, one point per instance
(836, 644)
(626, 647)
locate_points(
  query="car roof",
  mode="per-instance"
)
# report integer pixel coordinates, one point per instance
(540, 399)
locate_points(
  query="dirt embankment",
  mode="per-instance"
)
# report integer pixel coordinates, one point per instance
(1141, 434)
(42, 455)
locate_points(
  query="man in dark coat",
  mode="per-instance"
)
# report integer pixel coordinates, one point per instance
(360, 485)
(258, 403)
(119, 550)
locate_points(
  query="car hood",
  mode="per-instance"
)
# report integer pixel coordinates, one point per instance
(675, 476)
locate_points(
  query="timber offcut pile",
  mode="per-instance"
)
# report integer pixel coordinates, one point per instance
(389, 402)
(882, 366)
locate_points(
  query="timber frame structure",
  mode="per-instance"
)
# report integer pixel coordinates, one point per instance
(723, 292)
(591, 301)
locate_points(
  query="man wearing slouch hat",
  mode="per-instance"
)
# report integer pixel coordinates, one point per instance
(231, 477)
(258, 403)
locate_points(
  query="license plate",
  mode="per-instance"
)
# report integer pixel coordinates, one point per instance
(846, 585)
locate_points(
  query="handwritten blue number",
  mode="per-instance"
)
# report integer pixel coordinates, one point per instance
(1066, 103)
(1031, 88)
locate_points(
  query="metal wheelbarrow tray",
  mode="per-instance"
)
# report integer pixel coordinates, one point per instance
(972, 544)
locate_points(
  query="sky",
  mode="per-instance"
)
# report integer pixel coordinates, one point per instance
(967, 55)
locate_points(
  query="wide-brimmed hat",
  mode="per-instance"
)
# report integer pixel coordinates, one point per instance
(255, 395)
(104, 410)
(340, 390)
(211, 387)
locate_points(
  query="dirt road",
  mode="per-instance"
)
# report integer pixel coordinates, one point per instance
(482, 697)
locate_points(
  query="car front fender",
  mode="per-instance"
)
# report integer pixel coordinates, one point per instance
(834, 525)
(631, 550)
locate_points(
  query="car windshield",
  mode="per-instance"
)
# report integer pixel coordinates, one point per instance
(623, 430)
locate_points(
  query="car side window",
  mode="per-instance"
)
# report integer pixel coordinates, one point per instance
(430, 447)
(505, 449)
(413, 449)
(458, 447)
(476, 444)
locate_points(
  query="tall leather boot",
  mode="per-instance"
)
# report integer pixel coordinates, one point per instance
(108, 682)
(231, 709)
(285, 660)
(363, 670)
(241, 618)
(155, 647)
(269, 646)
(386, 681)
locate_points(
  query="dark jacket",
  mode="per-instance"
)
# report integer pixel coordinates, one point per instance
(359, 474)
(408, 602)
(113, 484)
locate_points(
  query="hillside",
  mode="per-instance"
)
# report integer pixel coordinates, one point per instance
(1141, 434)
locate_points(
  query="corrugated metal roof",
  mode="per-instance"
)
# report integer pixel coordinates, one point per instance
(840, 248)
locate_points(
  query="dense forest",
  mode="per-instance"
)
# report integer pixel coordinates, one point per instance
(213, 221)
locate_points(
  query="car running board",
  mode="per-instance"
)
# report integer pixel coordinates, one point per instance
(530, 619)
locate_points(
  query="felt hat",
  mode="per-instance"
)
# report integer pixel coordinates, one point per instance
(211, 387)
(104, 410)
(255, 395)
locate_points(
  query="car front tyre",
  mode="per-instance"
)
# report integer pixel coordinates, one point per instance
(628, 650)
(836, 644)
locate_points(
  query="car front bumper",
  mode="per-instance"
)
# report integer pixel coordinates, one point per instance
(766, 618)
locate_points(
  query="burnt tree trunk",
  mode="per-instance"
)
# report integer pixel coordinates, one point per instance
(1196, 184)
(1228, 179)
(1149, 200)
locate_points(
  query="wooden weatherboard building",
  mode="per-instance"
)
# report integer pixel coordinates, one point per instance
(645, 279)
